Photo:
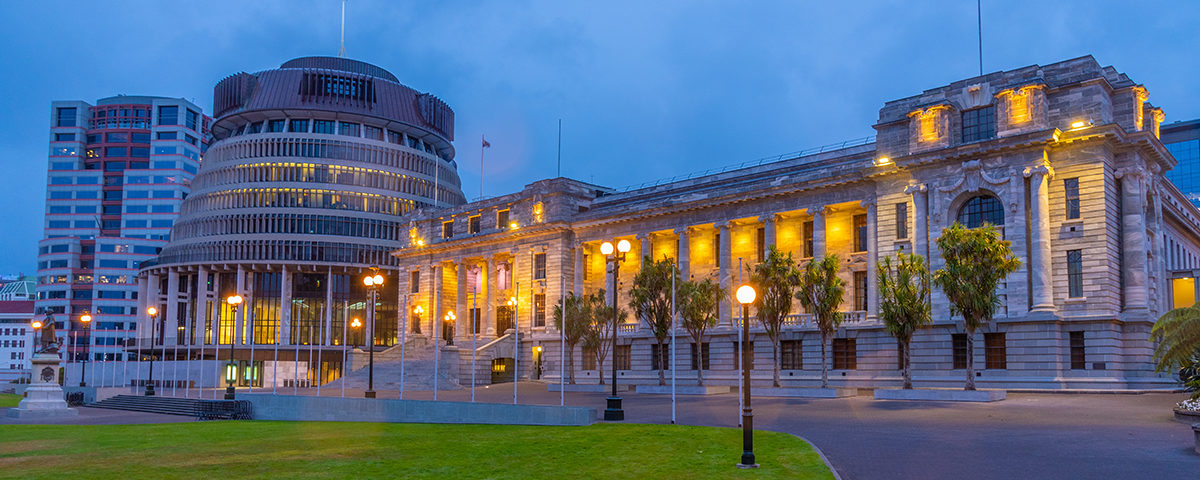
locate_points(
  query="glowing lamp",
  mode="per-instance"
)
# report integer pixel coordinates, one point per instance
(512, 301)
(512, 225)
(624, 246)
(606, 248)
(234, 300)
(449, 316)
(1079, 124)
(745, 294)
(151, 311)
(882, 161)
(355, 323)
(85, 318)
(369, 281)
(36, 324)
(538, 349)
(418, 310)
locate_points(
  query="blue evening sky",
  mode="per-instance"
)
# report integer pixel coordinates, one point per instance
(645, 89)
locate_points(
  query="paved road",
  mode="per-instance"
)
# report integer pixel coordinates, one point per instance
(1027, 436)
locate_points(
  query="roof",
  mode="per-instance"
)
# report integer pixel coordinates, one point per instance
(16, 306)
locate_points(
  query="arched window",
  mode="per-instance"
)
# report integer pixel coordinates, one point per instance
(980, 210)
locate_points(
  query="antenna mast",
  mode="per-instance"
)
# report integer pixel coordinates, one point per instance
(342, 43)
(979, 18)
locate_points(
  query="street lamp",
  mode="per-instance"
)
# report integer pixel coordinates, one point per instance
(448, 321)
(86, 320)
(745, 296)
(373, 282)
(153, 313)
(614, 411)
(356, 324)
(417, 310)
(234, 301)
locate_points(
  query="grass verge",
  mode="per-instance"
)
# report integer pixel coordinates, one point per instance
(9, 400)
(379, 450)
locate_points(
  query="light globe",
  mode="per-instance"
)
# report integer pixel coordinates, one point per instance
(623, 246)
(606, 248)
(745, 294)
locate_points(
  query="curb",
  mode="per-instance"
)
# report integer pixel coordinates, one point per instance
(836, 475)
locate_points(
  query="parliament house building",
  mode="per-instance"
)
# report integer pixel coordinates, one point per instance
(326, 168)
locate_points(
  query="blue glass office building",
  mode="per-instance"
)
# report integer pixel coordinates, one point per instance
(1183, 140)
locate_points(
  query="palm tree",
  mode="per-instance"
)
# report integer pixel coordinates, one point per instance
(776, 278)
(1177, 333)
(578, 318)
(821, 293)
(977, 260)
(697, 304)
(904, 302)
(650, 299)
(600, 326)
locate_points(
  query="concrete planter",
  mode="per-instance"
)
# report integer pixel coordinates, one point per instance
(593, 388)
(1196, 432)
(1187, 416)
(683, 389)
(803, 392)
(940, 395)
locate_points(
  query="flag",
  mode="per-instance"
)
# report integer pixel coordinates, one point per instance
(485, 143)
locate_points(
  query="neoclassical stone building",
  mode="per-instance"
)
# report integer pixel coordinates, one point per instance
(1064, 157)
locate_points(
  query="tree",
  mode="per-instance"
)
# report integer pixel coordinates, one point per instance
(650, 299)
(977, 260)
(821, 292)
(578, 319)
(904, 301)
(598, 338)
(697, 304)
(1177, 333)
(776, 278)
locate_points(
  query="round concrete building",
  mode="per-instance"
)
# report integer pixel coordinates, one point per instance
(311, 170)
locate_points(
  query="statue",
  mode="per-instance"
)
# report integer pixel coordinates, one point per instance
(47, 340)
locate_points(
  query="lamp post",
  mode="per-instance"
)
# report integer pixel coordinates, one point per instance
(153, 313)
(745, 295)
(235, 301)
(614, 411)
(373, 282)
(86, 320)
(355, 324)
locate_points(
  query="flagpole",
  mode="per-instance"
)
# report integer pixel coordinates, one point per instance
(345, 327)
(482, 147)
(403, 337)
(248, 318)
(516, 337)
(560, 153)
(674, 362)
(562, 342)
(474, 334)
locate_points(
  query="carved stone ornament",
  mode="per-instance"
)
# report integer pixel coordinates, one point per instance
(972, 180)
(47, 374)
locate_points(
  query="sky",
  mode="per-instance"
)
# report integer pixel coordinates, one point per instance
(645, 90)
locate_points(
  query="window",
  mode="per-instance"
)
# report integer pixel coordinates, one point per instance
(660, 357)
(979, 124)
(860, 233)
(717, 248)
(117, 137)
(373, 133)
(621, 357)
(448, 229)
(64, 137)
(1071, 189)
(167, 135)
(140, 137)
(808, 238)
(539, 310)
(348, 129)
(298, 126)
(66, 117)
(902, 220)
(539, 266)
(980, 210)
(845, 354)
(473, 224)
(1078, 353)
(791, 356)
(700, 359)
(502, 219)
(114, 151)
(414, 281)
(589, 359)
(860, 290)
(190, 119)
(1074, 273)
(168, 115)
(323, 126)
(761, 243)
(958, 344)
(275, 126)
(996, 351)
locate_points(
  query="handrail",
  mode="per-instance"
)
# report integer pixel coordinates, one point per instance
(752, 163)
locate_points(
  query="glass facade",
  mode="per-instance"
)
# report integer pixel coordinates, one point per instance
(1186, 175)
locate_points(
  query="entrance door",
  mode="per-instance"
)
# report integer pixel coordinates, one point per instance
(504, 319)
(502, 370)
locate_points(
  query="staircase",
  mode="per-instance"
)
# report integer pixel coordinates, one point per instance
(418, 368)
(138, 403)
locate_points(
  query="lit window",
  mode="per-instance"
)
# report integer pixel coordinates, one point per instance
(448, 229)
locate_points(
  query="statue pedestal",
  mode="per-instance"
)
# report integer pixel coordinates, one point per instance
(44, 397)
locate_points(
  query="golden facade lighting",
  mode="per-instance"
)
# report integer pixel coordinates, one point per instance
(927, 123)
(1139, 98)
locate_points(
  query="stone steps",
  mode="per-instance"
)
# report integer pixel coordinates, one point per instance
(137, 403)
(417, 376)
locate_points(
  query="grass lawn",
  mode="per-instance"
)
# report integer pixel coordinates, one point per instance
(377, 450)
(9, 400)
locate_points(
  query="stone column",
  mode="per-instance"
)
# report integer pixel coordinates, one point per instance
(725, 253)
(920, 232)
(327, 334)
(170, 318)
(1042, 284)
(460, 289)
(239, 321)
(578, 273)
(489, 316)
(818, 214)
(646, 247)
(684, 255)
(285, 307)
(872, 258)
(143, 302)
(201, 299)
(768, 222)
(1133, 225)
